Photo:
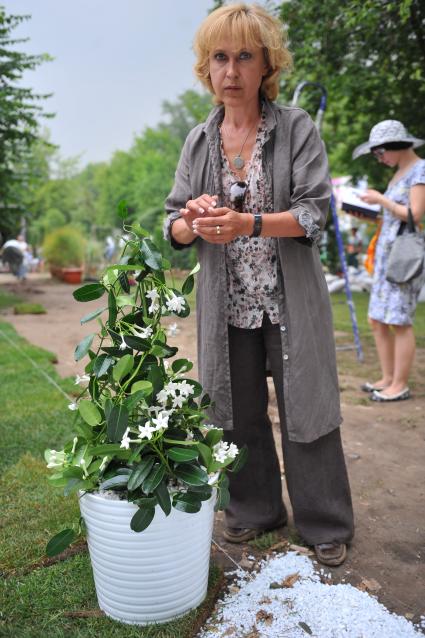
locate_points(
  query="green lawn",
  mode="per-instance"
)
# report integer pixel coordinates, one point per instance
(342, 319)
(37, 599)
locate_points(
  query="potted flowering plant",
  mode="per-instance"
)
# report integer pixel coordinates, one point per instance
(142, 455)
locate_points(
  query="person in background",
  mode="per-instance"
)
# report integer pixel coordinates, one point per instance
(252, 192)
(354, 247)
(15, 254)
(392, 306)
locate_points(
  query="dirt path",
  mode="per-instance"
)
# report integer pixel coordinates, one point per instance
(384, 447)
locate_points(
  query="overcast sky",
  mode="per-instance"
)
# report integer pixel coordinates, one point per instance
(115, 61)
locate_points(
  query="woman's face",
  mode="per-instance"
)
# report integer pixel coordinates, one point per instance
(389, 158)
(236, 74)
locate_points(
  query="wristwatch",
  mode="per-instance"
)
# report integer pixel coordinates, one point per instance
(258, 224)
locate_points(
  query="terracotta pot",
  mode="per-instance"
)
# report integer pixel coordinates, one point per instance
(72, 275)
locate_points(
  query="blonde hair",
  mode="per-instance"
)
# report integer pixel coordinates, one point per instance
(245, 25)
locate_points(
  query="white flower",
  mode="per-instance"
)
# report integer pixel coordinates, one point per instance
(170, 388)
(72, 406)
(173, 330)
(154, 297)
(143, 333)
(103, 464)
(185, 388)
(166, 365)
(74, 444)
(81, 379)
(175, 303)
(178, 401)
(206, 427)
(189, 436)
(125, 441)
(146, 431)
(162, 396)
(222, 451)
(213, 478)
(161, 421)
(123, 344)
(55, 459)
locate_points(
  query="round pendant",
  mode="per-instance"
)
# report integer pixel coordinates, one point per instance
(238, 162)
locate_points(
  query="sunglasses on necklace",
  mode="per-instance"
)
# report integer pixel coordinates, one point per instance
(237, 195)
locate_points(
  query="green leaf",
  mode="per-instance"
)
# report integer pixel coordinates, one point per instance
(142, 519)
(191, 474)
(60, 542)
(136, 343)
(203, 492)
(125, 300)
(112, 306)
(163, 350)
(205, 401)
(115, 481)
(140, 472)
(84, 429)
(181, 365)
(182, 455)
(74, 485)
(92, 315)
(89, 412)
(188, 503)
(223, 499)
(125, 284)
(151, 255)
(142, 386)
(195, 269)
(188, 285)
(89, 292)
(163, 496)
(206, 454)
(83, 347)
(117, 423)
(213, 437)
(102, 364)
(154, 478)
(155, 377)
(123, 367)
(240, 460)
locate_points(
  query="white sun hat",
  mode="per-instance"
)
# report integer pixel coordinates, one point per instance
(385, 132)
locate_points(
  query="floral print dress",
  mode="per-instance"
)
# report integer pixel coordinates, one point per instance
(390, 303)
(251, 262)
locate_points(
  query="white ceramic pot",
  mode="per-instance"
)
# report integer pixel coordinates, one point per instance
(150, 576)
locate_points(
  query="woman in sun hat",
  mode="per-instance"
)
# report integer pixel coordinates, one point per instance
(252, 192)
(392, 306)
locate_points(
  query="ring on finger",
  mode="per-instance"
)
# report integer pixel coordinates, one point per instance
(217, 230)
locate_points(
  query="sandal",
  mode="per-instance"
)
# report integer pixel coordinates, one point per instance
(369, 387)
(332, 554)
(384, 398)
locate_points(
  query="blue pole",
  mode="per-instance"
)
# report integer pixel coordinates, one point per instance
(348, 294)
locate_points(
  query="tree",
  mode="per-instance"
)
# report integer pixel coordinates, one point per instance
(19, 127)
(370, 55)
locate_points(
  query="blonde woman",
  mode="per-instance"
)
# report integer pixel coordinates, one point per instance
(252, 192)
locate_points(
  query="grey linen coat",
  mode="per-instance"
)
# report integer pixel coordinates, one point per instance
(295, 166)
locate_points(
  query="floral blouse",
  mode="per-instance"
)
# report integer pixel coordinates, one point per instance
(251, 262)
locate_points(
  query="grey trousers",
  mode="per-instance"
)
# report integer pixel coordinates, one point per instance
(315, 472)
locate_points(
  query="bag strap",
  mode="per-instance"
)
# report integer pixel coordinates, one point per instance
(410, 223)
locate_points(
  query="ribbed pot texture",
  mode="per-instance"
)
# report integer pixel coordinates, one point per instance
(150, 576)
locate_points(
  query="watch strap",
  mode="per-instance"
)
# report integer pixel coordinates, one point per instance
(258, 224)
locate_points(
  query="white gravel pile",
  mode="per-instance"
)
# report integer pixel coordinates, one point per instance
(298, 605)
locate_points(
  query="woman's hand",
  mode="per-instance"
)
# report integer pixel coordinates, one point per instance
(222, 225)
(197, 208)
(372, 197)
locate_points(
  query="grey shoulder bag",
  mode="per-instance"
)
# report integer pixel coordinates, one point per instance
(406, 259)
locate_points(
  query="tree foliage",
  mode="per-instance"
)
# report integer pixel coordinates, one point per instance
(19, 127)
(370, 56)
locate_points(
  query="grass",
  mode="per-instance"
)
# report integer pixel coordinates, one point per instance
(37, 599)
(342, 321)
(42, 604)
(29, 309)
(7, 299)
(265, 541)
